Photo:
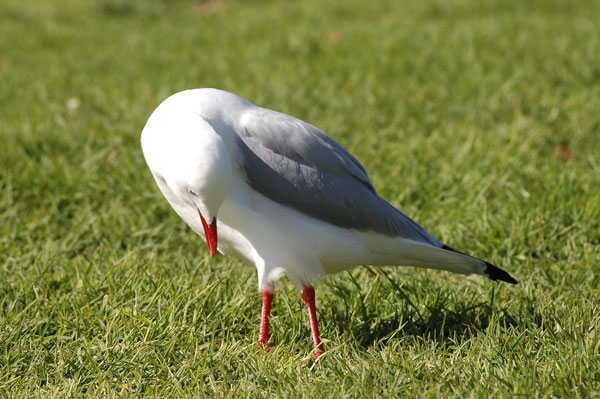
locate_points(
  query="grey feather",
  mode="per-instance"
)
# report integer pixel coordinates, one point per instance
(294, 163)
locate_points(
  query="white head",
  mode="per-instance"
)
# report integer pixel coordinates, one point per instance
(187, 155)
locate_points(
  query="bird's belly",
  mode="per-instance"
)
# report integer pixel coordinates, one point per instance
(276, 237)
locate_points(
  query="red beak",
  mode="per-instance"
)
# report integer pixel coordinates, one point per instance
(210, 232)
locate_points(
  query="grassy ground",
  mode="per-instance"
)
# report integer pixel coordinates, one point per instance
(479, 119)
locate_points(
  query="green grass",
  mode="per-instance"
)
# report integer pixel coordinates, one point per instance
(456, 108)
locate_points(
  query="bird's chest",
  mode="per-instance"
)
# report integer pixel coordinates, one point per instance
(232, 242)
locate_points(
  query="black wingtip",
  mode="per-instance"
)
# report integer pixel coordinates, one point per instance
(495, 273)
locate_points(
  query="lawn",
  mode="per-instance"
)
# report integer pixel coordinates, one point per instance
(478, 119)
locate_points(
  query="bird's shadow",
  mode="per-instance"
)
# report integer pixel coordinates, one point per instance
(443, 319)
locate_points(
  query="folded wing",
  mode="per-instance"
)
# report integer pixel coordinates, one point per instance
(295, 164)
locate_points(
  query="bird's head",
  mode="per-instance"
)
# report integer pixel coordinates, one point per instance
(205, 172)
(191, 165)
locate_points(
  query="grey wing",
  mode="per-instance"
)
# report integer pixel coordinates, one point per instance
(294, 163)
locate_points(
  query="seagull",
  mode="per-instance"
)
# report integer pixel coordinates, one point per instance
(285, 197)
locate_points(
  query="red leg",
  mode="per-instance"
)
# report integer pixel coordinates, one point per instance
(267, 295)
(308, 296)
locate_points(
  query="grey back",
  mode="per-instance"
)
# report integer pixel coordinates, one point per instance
(295, 164)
